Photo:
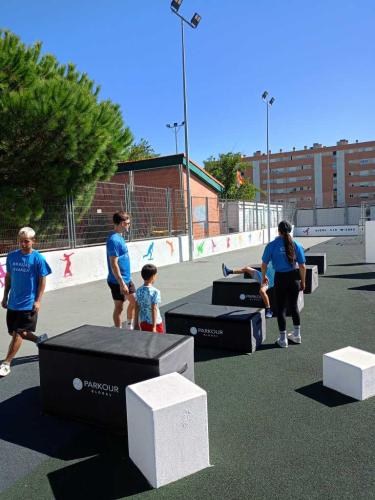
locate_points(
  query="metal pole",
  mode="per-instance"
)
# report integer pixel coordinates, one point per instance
(268, 183)
(190, 228)
(175, 138)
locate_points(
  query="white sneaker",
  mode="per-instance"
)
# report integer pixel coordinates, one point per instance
(4, 369)
(282, 342)
(296, 339)
(128, 325)
(41, 338)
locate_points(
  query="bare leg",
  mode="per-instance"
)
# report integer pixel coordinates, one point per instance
(264, 296)
(14, 347)
(131, 307)
(119, 306)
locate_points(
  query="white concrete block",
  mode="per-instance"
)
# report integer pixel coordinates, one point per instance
(167, 428)
(350, 371)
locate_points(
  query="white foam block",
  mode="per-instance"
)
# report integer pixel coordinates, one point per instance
(350, 371)
(167, 428)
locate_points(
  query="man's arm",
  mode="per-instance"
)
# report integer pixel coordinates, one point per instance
(117, 274)
(302, 273)
(4, 302)
(40, 292)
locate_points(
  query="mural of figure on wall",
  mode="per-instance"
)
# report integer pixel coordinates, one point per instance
(306, 231)
(228, 241)
(170, 243)
(200, 247)
(249, 237)
(150, 251)
(213, 246)
(68, 265)
(2, 275)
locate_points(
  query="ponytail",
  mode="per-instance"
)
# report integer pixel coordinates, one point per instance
(284, 229)
(289, 248)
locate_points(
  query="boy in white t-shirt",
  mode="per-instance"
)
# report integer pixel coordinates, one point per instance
(147, 314)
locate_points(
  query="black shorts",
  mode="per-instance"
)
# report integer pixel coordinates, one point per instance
(116, 292)
(21, 321)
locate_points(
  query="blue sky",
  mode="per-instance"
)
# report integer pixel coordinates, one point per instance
(316, 57)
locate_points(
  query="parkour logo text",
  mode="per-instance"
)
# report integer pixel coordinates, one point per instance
(98, 388)
(207, 332)
(244, 296)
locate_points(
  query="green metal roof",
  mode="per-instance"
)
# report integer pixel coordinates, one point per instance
(170, 161)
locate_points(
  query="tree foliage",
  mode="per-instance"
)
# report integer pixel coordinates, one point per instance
(225, 169)
(141, 151)
(56, 137)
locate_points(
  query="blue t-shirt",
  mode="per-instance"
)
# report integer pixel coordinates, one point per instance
(275, 252)
(145, 297)
(25, 271)
(116, 247)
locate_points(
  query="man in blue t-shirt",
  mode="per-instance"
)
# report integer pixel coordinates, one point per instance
(25, 282)
(119, 275)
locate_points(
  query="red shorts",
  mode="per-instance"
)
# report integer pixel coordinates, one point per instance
(146, 327)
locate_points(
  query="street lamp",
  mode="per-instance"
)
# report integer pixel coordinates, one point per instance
(269, 103)
(176, 126)
(193, 23)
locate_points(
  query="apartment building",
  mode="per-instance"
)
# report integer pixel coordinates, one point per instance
(320, 176)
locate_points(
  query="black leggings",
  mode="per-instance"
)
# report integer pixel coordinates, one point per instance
(286, 292)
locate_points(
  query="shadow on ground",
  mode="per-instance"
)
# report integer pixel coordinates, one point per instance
(108, 473)
(357, 276)
(323, 395)
(364, 288)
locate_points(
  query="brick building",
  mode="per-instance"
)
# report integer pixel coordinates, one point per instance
(321, 176)
(169, 173)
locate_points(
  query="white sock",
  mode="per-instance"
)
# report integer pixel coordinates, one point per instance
(283, 336)
(297, 330)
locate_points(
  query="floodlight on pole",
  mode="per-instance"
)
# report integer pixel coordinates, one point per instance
(269, 103)
(176, 126)
(195, 20)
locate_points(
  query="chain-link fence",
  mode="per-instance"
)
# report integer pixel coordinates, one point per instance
(155, 212)
(212, 216)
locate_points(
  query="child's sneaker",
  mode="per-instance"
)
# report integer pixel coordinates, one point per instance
(41, 338)
(282, 342)
(269, 313)
(225, 270)
(4, 369)
(296, 339)
(128, 325)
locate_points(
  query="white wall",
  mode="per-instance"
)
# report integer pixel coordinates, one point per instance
(370, 241)
(326, 231)
(90, 264)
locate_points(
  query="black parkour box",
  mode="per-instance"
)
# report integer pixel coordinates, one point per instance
(244, 292)
(84, 372)
(317, 259)
(240, 329)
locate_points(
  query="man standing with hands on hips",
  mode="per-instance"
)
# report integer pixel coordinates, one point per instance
(119, 275)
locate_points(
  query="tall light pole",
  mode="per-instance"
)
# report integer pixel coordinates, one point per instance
(193, 23)
(176, 126)
(269, 103)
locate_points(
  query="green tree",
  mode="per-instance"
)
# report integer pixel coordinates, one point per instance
(225, 169)
(141, 151)
(56, 137)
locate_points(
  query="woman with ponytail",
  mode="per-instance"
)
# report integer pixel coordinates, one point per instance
(285, 253)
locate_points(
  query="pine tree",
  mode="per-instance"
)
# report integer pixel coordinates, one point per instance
(56, 137)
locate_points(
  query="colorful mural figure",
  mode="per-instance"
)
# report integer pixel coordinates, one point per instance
(68, 265)
(306, 231)
(213, 246)
(228, 241)
(249, 237)
(200, 247)
(150, 251)
(2, 275)
(171, 246)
